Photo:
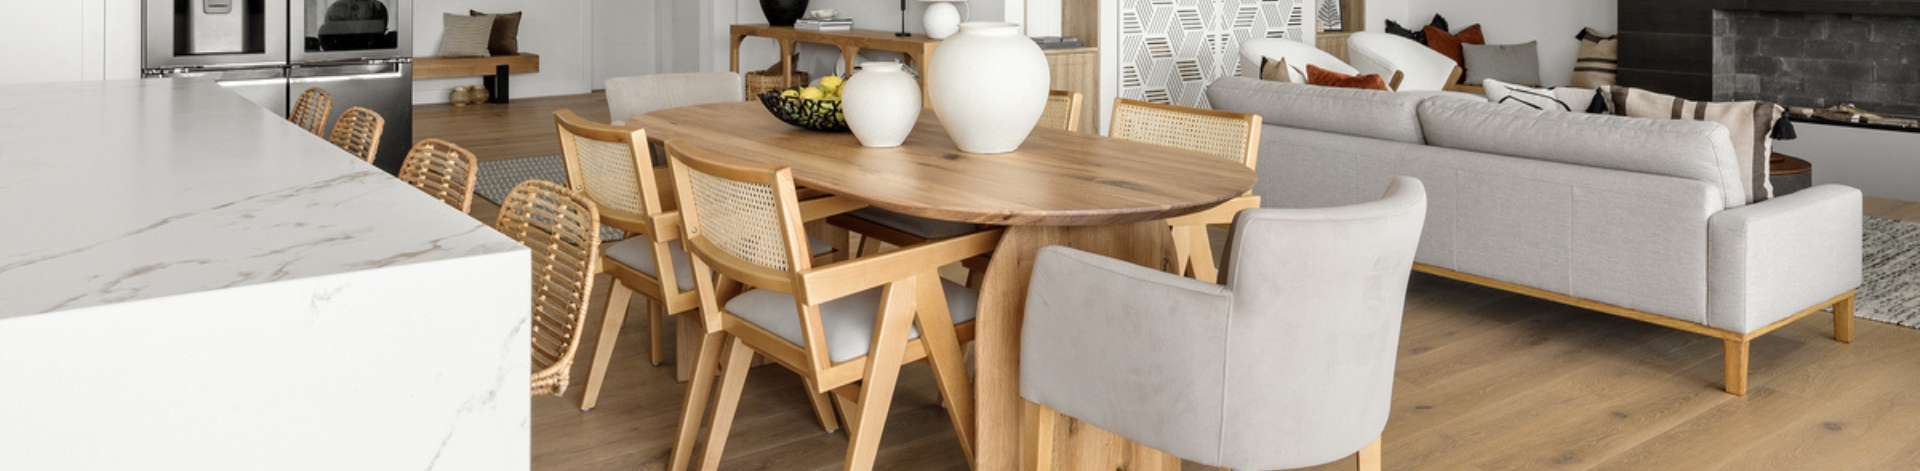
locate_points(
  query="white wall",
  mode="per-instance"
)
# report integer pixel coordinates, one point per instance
(1553, 23)
(626, 38)
(1879, 163)
(757, 53)
(558, 30)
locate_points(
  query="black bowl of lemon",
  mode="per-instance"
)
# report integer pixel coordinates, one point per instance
(815, 107)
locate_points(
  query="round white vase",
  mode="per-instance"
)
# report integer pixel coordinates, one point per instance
(942, 19)
(882, 103)
(989, 86)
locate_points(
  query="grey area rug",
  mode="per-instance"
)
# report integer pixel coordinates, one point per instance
(1889, 291)
(498, 177)
(1890, 284)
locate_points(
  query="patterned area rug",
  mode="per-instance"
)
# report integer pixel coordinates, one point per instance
(1890, 286)
(498, 177)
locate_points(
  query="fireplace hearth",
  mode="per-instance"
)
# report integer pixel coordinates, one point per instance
(1868, 65)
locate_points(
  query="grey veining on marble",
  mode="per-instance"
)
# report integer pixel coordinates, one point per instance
(121, 191)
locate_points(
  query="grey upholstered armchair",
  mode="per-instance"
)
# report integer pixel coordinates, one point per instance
(1287, 363)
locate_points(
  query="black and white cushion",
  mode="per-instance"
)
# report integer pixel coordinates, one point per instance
(1570, 99)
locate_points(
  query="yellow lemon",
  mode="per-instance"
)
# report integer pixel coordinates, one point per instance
(812, 94)
(789, 94)
(831, 82)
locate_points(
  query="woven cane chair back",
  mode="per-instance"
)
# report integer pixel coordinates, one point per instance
(562, 228)
(358, 132)
(745, 211)
(444, 170)
(1227, 135)
(610, 164)
(310, 111)
(1062, 112)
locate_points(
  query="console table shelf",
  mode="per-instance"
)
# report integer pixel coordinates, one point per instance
(918, 48)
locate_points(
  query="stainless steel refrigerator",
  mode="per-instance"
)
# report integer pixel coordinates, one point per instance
(270, 51)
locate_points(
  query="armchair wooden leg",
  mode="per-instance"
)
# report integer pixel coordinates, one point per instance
(732, 380)
(868, 247)
(1843, 319)
(822, 407)
(1370, 457)
(694, 406)
(883, 369)
(610, 321)
(685, 349)
(656, 319)
(847, 397)
(1736, 350)
(1038, 422)
(1182, 251)
(841, 239)
(943, 354)
(1200, 258)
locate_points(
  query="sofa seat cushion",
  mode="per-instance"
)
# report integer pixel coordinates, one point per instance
(1692, 150)
(1364, 113)
(848, 321)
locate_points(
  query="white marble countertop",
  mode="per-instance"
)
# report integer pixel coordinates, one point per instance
(120, 191)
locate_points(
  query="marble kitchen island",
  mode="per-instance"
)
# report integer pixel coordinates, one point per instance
(188, 282)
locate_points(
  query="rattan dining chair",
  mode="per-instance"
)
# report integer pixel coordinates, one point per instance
(358, 132)
(612, 166)
(1233, 136)
(1062, 111)
(560, 226)
(310, 111)
(846, 327)
(444, 170)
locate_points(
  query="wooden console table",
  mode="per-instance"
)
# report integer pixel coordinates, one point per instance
(918, 48)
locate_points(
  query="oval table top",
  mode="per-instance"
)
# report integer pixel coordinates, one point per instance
(1057, 178)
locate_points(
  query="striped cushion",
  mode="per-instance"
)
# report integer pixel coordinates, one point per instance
(465, 36)
(1750, 123)
(1599, 60)
(1569, 99)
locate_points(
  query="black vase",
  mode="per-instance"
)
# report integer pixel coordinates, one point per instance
(783, 12)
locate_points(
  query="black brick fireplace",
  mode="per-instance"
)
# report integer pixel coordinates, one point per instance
(1796, 52)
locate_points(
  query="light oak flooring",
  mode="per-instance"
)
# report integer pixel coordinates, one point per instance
(1487, 381)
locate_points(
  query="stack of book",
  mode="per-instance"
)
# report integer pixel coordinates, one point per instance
(829, 24)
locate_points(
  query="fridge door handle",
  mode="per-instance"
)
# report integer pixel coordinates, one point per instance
(246, 82)
(345, 78)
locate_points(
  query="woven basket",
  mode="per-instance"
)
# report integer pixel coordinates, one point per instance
(763, 81)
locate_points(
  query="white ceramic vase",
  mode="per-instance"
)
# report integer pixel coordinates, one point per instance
(942, 19)
(882, 103)
(989, 86)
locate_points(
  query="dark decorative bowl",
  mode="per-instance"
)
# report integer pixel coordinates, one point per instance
(817, 115)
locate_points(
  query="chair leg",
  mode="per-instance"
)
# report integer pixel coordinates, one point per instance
(610, 321)
(943, 354)
(845, 397)
(684, 349)
(1843, 320)
(694, 405)
(1370, 457)
(1182, 251)
(1038, 420)
(656, 322)
(1200, 258)
(883, 369)
(842, 241)
(868, 246)
(822, 407)
(1736, 350)
(732, 380)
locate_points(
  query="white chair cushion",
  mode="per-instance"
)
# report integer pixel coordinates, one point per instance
(848, 321)
(637, 253)
(1382, 53)
(914, 225)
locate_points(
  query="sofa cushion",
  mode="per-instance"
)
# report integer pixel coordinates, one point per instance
(1450, 44)
(1599, 60)
(1328, 78)
(1365, 113)
(1749, 123)
(1569, 99)
(1693, 150)
(1512, 63)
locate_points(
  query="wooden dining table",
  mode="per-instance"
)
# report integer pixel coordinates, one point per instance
(1102, 195)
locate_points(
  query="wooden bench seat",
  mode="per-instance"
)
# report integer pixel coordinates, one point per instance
(493, 70)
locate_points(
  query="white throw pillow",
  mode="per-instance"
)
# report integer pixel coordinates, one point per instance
(1578, 100)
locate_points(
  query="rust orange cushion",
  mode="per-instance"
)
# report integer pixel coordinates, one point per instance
(1449, 44)
(1319, 76)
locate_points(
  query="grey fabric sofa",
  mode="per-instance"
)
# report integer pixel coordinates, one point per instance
(1634, 217)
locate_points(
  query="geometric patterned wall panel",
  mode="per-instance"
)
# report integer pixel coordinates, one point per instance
(1171, 49)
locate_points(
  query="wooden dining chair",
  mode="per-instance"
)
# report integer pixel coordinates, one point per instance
(444, 170)
(1062, 111)
(310, 111)
(560, 226)
(612, 166)
(1234, 136)
(358, 132)
(846, 327)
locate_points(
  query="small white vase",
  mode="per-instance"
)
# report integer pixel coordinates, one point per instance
(989, 87)
(882, 103)
(941, 19)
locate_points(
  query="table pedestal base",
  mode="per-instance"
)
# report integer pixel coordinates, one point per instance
(1078, 446)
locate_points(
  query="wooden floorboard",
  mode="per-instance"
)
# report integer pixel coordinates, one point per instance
(1487, 380)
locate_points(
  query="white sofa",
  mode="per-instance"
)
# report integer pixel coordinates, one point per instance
(1634, 217)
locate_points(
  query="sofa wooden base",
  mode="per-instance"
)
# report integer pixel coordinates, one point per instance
(1735, 343)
